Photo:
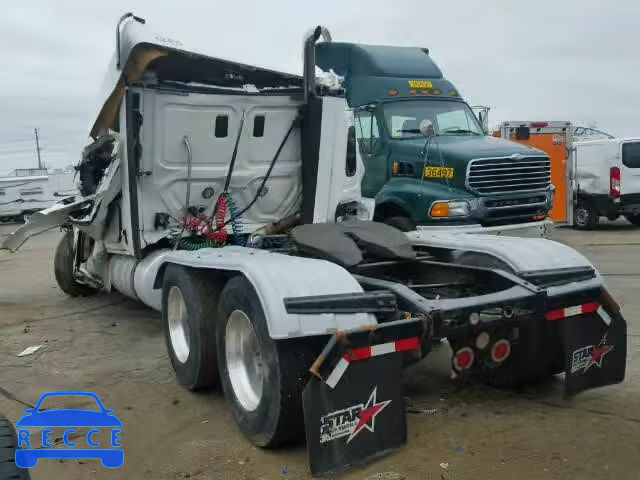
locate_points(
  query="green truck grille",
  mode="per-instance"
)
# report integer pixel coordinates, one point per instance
(495, 176)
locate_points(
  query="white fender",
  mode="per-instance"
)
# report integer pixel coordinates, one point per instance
(521, 254)
(274, 276)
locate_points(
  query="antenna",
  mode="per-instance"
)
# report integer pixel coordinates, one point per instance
(35, 131)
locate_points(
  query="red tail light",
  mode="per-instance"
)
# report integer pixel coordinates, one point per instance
(463, 359)
(614, 176)
(500, 350)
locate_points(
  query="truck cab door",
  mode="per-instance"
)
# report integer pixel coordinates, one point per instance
(373, 150)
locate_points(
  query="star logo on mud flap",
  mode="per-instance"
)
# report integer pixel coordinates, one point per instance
(367, 417)
(597, 355)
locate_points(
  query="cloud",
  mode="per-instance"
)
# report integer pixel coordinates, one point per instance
(570, 60)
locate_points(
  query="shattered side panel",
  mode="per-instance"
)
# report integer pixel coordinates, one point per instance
(100, 178)
(43, 221)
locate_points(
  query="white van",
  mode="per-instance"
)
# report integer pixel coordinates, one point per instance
(608, 180)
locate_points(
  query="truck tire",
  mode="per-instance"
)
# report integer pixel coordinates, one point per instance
(262, 379)
(403, 224)
(189, 305)
(634, 219)
(585, 216)
(63, 262)
(8, 444)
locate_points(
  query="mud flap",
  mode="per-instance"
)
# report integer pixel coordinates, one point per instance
(595, 348)
(362, 418)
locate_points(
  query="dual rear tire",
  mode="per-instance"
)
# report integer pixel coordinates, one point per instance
(218, 334)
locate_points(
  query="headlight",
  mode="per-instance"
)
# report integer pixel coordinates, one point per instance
(454, 208)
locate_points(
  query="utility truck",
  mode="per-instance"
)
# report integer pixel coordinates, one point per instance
(461, 179)
(227, 197)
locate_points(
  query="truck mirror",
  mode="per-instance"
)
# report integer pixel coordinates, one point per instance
(483, 119)
(427, 129)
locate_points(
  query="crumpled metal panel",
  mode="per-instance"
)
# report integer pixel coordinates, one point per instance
(43, 221)
(276, 276)
(522, 254)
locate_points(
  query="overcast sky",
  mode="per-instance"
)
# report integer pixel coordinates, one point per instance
(539, 60)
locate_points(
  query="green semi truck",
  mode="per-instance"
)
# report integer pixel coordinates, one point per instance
(459, 179)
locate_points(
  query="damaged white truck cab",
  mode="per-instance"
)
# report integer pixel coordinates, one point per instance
(227, 196)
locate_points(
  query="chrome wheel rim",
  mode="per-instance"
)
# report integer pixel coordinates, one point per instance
(178, 324)
(244, 360)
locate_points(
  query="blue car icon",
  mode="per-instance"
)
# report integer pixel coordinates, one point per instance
(69, 419)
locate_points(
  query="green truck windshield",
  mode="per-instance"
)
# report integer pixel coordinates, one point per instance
(403, 118)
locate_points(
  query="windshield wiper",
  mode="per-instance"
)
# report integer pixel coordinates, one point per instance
(460, 130)
(409, 130)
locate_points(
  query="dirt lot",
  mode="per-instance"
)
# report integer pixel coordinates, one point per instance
(114, 347)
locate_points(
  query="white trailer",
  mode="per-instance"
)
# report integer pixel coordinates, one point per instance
(28, 190)
(227, 197)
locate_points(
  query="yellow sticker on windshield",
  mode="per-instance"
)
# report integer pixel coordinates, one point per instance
(420, 84)
(438, 172)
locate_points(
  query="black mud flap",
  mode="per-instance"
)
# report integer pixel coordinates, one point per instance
(362, 418)
(595, 348)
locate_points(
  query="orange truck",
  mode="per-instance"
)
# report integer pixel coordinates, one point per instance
(556, 139)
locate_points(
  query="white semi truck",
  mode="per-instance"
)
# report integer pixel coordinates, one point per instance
(227, 197)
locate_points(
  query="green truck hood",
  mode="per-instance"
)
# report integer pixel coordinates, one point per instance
(458, 150)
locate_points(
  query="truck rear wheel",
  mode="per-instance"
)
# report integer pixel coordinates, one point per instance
(262, 379)
(189, 304)
(635, 219)
(403, 224)
(8, 444)
(63, 267)
(585, 216)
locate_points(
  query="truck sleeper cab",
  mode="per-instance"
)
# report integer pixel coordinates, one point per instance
(459, 177)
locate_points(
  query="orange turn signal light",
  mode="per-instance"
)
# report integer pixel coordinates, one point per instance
(395, 168)
(439, 210)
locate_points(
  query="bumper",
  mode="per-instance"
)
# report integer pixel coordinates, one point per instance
(540, 229)
(353, 403)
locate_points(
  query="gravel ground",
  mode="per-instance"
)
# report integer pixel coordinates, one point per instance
(114, 347)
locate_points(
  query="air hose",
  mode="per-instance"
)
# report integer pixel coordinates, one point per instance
(236, 225)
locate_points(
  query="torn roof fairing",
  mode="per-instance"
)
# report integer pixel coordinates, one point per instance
(142, 51)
